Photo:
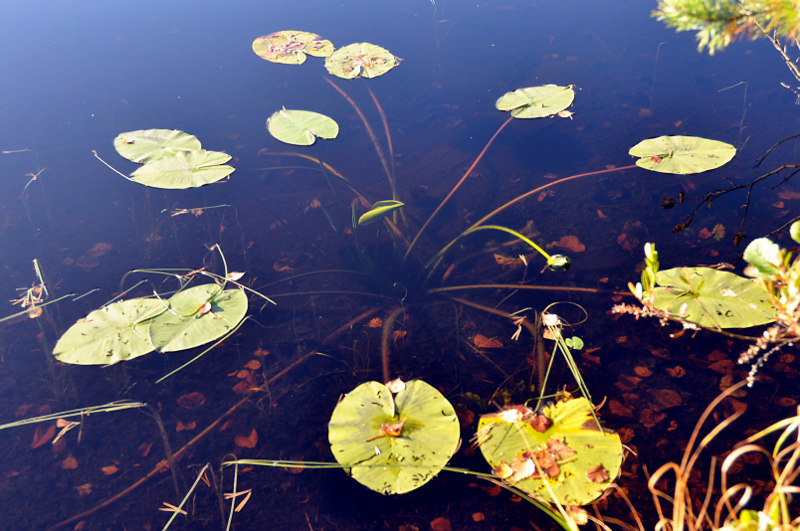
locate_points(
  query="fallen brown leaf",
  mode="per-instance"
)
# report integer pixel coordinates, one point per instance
(69, 463)
(191, 400)
(253, 365)
(597, 474)
(248, 441)
(43, 436)
(441, 524)
(109, 470)
(482, 341)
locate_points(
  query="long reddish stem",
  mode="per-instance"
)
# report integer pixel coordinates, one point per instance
(457, 186)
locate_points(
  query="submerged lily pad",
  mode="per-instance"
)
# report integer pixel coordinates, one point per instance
(290, 47)
(712, 298)
(196, 316)
(393, 445)
(378, 211)
(360, 59)
(301, 128)
(562, 446)
(185, 169)
(116, 332)
(151, 144)
(536, 102)
(681, 155)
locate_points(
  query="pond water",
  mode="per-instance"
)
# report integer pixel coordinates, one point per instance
(77, 74)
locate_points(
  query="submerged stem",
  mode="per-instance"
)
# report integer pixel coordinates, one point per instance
(456, 187)
(434, 261)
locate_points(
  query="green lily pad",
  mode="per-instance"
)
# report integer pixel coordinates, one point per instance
(536, 102)
(301, 128)
(290, 47)
(116, 332)
(185, 169)
(151, 144)
(189, 322)
(681, 155)
(378, 211)
(563, 442)
(794, 231)
(427, 437)
(361, 59)
(712, 298)
(764, 255)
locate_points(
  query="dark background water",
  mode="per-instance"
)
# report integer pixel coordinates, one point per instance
(76, 74)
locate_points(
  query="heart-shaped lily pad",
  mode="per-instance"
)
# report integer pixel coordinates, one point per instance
(361, 59)
(536, 102)
(290, 47)
(197, 316)
(560, 451)
(185, 169)
(393, 445)
(301, 128)
(681, 155)
(117, 332)
(712, 298)
(151, 144)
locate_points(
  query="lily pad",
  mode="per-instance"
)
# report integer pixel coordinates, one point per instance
(562, 446)
(378, 211)
(764, 255)
(191, 322)
(365, 438)
(290, 47)
(361, 59)
(184, 169)
(681, 155)
(151, 144)
(301, 128)
(536, 102)
(116, 332)
(712, 298)
(794, 231)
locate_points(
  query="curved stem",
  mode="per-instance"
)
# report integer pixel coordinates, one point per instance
(371, 134)
(386, 332)
(437, 258)
(456, 187)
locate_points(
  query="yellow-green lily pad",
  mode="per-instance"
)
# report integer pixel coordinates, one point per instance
(291, 47)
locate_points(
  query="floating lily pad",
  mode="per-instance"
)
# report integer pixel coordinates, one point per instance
(189, 322)
(184, 169)
(764, 255)
(712, 298)
(360, 59)
(378, 211)
(116, 332)
(563, 442)
(301, 128)
(681, 155)
(290, 47)
(536, 102)
(425, 428)
(151, 144)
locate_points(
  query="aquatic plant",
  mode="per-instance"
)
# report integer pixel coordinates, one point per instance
(171, 159)
(684, 509)
(702, 297)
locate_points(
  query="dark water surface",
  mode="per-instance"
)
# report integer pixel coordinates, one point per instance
(76, 74)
